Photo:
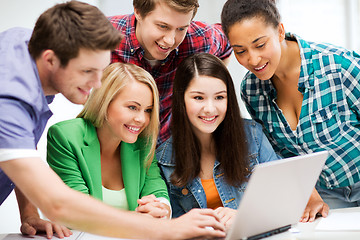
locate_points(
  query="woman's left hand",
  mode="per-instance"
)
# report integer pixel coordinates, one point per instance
(226, 216)
(314, 206)
(152, 206)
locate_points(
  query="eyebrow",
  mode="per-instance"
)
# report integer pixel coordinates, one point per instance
(135, 102)
(256, 40)
(198, 92)
(164, 23)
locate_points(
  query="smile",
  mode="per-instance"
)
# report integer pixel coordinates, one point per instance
(261, 68)
(133, 129)
(208, 119)
(162, 47)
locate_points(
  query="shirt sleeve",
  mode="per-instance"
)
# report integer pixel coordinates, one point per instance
(220, 45)
(63, 160)
(17, 125)
(154, 184)
(350, 77)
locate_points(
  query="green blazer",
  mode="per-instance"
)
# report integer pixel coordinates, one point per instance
(73, 152)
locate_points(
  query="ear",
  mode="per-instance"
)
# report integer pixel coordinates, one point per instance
(50, 59)
(137, 14)
(281, 31)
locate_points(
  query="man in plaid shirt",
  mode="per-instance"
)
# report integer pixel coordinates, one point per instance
(158, 36)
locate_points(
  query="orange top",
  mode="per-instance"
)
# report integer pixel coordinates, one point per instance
(212, 196)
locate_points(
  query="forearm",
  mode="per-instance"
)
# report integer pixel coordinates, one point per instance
(26, 208)
(71, 208)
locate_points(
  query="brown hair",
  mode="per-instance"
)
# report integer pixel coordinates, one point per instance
(184, 6)
(229, 137)
(67, 27)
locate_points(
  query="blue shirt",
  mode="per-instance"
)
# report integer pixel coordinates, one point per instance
(183, 199)
(24, 109)
(330, 111)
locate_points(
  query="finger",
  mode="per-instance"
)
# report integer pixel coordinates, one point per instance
(305, 216)
(312, 216)
(48, 230)
(325, 210)
(209, 212)
(58, 230)
(213, 233)
(27, 229)
(67, 232)
(154, 211)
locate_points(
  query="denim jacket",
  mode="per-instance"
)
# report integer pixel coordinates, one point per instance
(192, 195)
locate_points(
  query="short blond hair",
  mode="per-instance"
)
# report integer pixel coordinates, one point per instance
(115, 77)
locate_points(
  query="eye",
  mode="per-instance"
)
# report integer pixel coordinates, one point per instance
(132, 107)
(87, 71)
(219, 97)
(261, 45)
(239, 52)
(162, 26)
(148, 110)
(181, 29)
(198, 98)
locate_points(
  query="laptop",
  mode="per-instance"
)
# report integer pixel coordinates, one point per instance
(276, 196)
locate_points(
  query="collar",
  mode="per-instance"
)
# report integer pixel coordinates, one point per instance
(307, 69)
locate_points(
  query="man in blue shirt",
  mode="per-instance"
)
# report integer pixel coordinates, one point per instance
(66, 53)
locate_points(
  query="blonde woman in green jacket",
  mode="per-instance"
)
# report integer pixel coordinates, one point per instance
(108, 151)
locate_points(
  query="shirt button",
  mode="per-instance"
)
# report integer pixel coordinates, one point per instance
(184, 191)
(132, 50)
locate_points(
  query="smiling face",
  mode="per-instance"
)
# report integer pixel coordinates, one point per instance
(129, 112)
(206, 104)
(79, 76)
(161, 31)
(257, 46)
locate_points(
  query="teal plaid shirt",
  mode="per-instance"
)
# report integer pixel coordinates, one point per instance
(330, 112)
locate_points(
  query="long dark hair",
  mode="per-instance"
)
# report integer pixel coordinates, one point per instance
(229, 137)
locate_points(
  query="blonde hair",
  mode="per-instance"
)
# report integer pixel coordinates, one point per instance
(114, 79)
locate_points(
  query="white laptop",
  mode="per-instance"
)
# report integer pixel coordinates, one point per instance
(276, 196)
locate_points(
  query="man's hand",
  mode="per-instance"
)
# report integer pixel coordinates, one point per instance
(31, 223)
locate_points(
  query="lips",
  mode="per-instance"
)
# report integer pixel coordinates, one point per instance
(164, 48)
(261, 67)
(211, 119)
(133, 129)
(85, 92)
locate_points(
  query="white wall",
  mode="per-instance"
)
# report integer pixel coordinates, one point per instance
(319, 20)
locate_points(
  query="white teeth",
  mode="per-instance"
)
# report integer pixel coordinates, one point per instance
(257, 69)
(208, 119)
(134, 129)
(165, 48)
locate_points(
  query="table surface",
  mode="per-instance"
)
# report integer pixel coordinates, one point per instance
(299, 231)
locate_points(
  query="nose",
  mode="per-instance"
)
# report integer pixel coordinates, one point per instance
(169, 38)
(209, 106)
(97, 80)
(140, 117)
(254, 59)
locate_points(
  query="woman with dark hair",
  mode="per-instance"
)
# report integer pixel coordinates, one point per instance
(207, 161)
(305, 94)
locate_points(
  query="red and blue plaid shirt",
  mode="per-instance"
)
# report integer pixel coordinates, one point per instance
(200, 37)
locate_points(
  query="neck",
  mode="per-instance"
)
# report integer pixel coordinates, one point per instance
(44, 75)
(109, 145)
(290, 62)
